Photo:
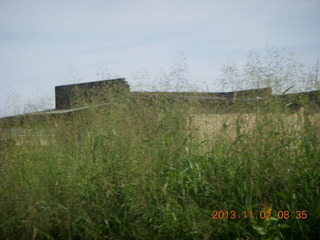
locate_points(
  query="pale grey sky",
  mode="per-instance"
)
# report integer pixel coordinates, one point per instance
(47, 43)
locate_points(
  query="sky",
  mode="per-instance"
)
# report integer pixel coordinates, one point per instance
(48, 43)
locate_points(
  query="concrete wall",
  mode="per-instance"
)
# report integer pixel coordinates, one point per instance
(66, 95)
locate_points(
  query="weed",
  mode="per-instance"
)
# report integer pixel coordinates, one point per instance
(136, 168)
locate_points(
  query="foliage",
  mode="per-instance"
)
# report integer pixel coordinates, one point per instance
(278, 69)
(176, 79)
(139, 168)
(135, 169)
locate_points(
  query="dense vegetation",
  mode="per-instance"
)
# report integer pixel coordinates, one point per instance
(133, 169)
(139, 168)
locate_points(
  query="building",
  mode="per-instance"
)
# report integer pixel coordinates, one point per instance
(74, 98)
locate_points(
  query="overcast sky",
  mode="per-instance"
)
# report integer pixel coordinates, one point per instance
(48, 43)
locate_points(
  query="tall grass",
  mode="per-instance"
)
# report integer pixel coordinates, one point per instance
(137, 169)
(158, 168)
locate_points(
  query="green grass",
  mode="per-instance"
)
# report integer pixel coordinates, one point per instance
(138, 170)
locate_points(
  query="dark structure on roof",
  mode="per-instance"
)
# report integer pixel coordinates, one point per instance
(66, 95)
(243, 95)
(312, 96)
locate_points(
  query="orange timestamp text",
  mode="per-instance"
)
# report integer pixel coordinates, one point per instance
(265, 214)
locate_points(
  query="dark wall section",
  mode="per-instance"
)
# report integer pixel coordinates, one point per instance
(312, 96)
(66, 94)
(250, 94)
